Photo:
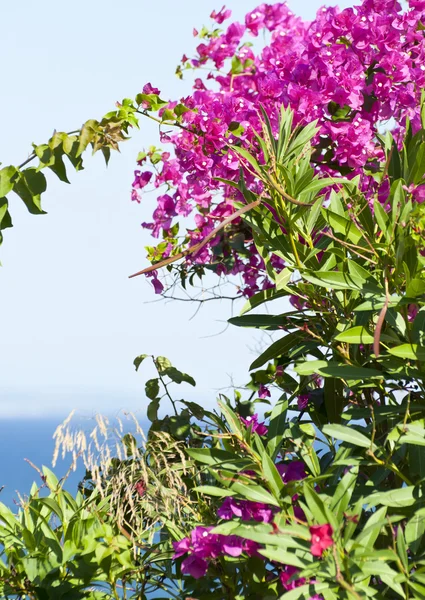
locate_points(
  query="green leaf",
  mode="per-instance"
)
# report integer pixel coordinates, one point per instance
(6, 175)
(216, 457)
(319, 184)
(51, 479)
(56, 163)
(152, 388)
(313, 215)
(377, 303)
(343, 493)
(152, 410)
(418, 329)
(87, 134)
(53, 505)
(29, 186)
(355, 335)
(138, 360)
(162, 364)
(415, 288)
(269, 322)
(334, 399)
(180, 109)
(236, 128)
(406, 496)
(310, 367)
(177, 376)
(402, 549)
(5, 218)
(415, 530)
(385, 572)
(211, 490)
(417, 460)
(197, 410)
(347, 434)
(232, 419)
(343, 226)
(369, 534)
(255, 493)
(286, 558)
(381, 216)
(277, 349)
(315, 504)
(248, 157)
(272, 475)
(348, 372)
(409, 351)
(300, 137)
(335, 280)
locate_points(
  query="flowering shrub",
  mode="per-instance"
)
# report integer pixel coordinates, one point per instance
(353, 71)
(293, 183)
(330, 211)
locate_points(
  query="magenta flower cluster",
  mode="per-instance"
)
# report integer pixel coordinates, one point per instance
(290, 581)
(254, 425)
(202, 546)
(368, 60)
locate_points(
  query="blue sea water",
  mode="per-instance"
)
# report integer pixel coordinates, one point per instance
(28, 439)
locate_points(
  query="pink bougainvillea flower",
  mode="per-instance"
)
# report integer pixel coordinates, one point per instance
(293, 471)
(202, 546)
(245, 510)
(412, 311)
(287, 574)
(264, 392)
(254, 425)
(141, 180)
(376, 76)
(140, 488)
(181, 547)
(221, 16)
(157, 285)
(195, 566)
(302, 401)
(321, 538)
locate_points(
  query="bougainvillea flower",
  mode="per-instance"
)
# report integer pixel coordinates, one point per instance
(287, 574)
(254, 425)
(321, 538)
(264, 392)
(302, 401)
(195, 566)
(367, 62)
(140, 488)
(181, 547)
(245, 510)
(293, 471)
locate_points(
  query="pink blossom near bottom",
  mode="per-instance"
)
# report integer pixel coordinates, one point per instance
(321, 539)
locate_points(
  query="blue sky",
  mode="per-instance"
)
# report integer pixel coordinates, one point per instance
(71, 320)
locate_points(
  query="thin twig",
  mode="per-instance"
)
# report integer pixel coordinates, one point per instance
(380, 322)
(195, 249)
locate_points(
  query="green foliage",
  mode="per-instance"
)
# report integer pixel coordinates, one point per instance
(58, 546)
(29, 183)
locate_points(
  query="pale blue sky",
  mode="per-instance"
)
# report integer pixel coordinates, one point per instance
(71, 320)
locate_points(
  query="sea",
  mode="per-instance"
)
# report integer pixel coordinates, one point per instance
(31, 439)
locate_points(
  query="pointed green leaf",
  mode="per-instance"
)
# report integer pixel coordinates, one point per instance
(347, 434)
